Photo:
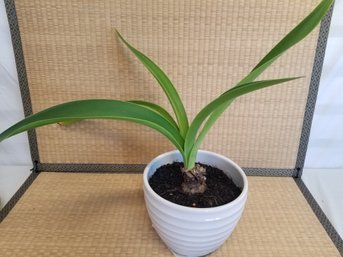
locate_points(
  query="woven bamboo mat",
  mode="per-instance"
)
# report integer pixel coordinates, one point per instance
(65, 214)
(205, 46)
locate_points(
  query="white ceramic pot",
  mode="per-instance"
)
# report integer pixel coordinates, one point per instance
(191, 231)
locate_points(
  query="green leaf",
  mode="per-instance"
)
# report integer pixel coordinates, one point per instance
(191, 157)
(166, 85)
(219, 105)
(69, 122)
(293, 37)
(158, 109)
(98, 109)
(154, 107)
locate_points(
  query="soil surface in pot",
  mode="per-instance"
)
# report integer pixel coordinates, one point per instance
(167, 181)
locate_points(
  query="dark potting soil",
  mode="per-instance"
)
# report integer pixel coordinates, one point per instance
(167, 181)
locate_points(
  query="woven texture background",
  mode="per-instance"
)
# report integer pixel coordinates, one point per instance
(66, 214)
(205, 47)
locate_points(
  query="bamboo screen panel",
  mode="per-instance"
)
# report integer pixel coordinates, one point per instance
(204, 46)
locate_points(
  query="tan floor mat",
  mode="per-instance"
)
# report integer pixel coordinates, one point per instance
(66, 214)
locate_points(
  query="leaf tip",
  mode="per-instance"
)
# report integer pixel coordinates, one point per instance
(116, 32)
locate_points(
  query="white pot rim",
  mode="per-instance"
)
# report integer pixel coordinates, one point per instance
(192, 209)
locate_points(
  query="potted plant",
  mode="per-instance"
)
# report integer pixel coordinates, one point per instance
(187, 230)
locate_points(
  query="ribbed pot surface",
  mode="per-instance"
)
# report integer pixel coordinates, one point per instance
(191, 231)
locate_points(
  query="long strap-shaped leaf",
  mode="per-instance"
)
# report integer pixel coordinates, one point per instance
(98, 109)
(292, 38)
(192, 145)
(166, 85)
(156, 108)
